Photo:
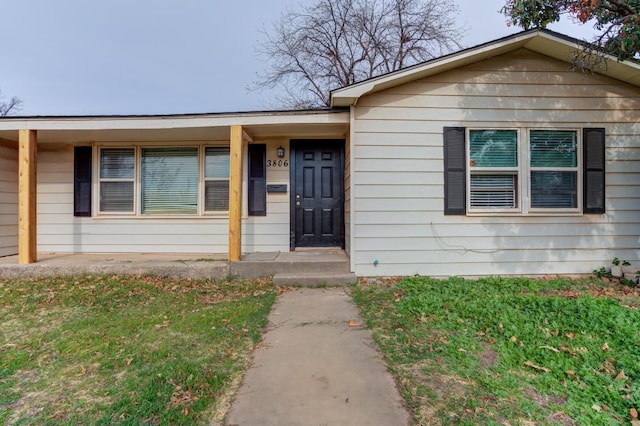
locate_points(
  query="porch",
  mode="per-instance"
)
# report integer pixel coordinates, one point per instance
(305, 267)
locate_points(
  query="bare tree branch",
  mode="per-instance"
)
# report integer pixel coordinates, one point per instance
(335, 43)
(12, 106)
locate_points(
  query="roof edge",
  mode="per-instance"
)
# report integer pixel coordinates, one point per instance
(348, 95)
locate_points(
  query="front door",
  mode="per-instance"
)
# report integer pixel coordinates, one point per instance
(317, 193)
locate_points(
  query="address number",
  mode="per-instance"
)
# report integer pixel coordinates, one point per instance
(277, 163)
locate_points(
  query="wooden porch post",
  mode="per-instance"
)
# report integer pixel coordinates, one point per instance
(235, 195)
(27, 248)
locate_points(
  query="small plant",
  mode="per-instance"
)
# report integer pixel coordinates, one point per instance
(618, 262)
(602, 273)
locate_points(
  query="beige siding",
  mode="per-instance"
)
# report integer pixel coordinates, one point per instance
(271, 232)
(60, 231)
(399, 219)
(8, 198)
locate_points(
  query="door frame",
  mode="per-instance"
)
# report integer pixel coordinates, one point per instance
(294, 145)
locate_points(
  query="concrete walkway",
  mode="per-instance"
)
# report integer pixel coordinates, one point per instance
(318, 366)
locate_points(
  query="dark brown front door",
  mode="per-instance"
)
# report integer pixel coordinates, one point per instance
(317, 193)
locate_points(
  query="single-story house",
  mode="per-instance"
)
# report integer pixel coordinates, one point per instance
(497, 159)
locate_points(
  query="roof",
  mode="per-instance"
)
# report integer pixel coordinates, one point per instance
(543, 41)
(184, 127)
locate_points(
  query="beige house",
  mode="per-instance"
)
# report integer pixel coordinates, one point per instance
(498, 159)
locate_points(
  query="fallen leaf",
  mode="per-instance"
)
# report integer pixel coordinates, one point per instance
(633, 413)
(621, 376)
(537, 367)
(605, 347)
(571, 373)
(513, 339)
(596, 407)
(353, 323)
(551, 348)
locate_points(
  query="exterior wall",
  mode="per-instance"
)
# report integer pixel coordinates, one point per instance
(8, 198)
(59, 231)
(398, 145)
(271, 232)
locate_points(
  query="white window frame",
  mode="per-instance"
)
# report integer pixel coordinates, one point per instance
(137, 180)
(578, 169)
(100, 180)
(523, 172)
(495, 171)
(204, 179)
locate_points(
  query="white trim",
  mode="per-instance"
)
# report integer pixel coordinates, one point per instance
(352, 182)
(170, 122)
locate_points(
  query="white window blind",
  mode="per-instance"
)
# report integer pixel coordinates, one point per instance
(216, 175)
(493, 191)
(117, 172)
(169, 179)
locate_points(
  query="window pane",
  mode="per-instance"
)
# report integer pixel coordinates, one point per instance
(554, 189)
(169, 180)
(116, 197)
(493, 191)
(553, 148)
(216, 194)
(116, 163)
(216, 163)
(493, 148)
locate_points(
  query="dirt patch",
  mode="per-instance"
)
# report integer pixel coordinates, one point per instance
(488, 357)
(443, 389)
(545, 400)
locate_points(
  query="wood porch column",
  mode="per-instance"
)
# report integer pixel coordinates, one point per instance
(27, 248)
(235, 194)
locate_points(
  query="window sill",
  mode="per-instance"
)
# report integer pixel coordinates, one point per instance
(521, 214)
(103, 216)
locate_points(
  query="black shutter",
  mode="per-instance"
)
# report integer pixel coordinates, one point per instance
(594, 173)
(82, 181)
(455, 173)
(257, 180)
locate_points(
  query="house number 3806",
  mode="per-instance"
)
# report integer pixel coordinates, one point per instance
(277, 163)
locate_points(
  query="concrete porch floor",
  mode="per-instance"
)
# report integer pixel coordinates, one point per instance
(326, 266)
(183, 265)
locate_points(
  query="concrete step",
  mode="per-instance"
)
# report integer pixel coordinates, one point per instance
(258, 265)
(314, 279)
(250, 270)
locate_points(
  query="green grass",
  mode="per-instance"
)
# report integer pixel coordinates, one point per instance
(125, 350)
(509, 351)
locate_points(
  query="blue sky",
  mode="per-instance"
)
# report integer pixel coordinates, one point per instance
(83, 57)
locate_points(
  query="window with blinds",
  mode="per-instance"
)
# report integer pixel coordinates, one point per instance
(554, 169)
(169, 180)
(117, 176)
(216, 179)
(164, 180)
(493, 171)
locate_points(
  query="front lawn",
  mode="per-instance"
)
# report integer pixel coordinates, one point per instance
(125, 350)
(509, 351)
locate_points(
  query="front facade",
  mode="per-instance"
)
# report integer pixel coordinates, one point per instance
(495, 160)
